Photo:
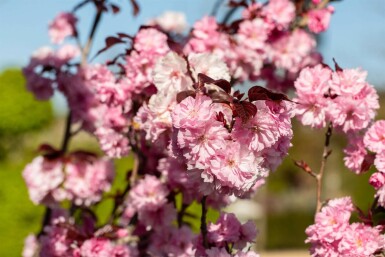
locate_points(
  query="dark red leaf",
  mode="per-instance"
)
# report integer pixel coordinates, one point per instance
(260, 93)
(242, 3)
(115, 9)
(110, 41)
(49, 152)
(184, 94)
(220, 117)
(367, 162)
(245, 110)
(220, 97)
(238, 95)
(223, 84)
(124, 35)
(135, 7)
(336, 66)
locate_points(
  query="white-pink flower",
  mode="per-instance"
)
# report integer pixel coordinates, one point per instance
(61, 27)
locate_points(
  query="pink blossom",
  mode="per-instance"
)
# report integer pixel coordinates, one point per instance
(311, 85)
(173, 242)
(171, 21)
(44, 67)
(253, 33)
(151, 41)
(313, 81)
(97, 247)
(217, 252)
(248, 234)
(355, 153)
(225, 230)
(251, 10)
(62, 26)
(289, 50)
(332, 235)
(138, 68)
(361, 240)
(208, 64)
(31, 246)
(58, 241)
(245, 63)
(374, 138)
(192, 112)
(115, 145)
(202, 143)
(43, 177)
(259, 132)
(379, 161)
(171, 71)
(381, 196)
(86, 180)
(206, 38)
(319, 19)
(235, 167)
(149, 194)
(377, 180)
(281, 12)
(159, 218)
(354, 110)
(155, 117)
(121, 250)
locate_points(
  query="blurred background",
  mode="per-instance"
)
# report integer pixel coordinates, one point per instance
(282, 209)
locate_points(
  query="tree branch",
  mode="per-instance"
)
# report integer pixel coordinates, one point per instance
(325, 155)
(203, 222)
(95, 24)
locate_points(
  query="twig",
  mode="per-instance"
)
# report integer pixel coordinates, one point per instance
(216, 7)
(46, 220)
(181, 214)
(229, 14)
(203, 222)
(135, 169)
(67, 134)
(325, 155)
(95, 25)
(63, 149)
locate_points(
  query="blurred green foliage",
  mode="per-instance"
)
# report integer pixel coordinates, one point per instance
(20, 112)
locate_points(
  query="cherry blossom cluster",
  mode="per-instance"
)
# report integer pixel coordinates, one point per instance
(261, 44)
(62, 237)
(342, 97)
(333, 235)
(78, 177)
(173, 101)
(373, 141)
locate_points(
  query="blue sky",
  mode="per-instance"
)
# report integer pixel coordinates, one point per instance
(356, 36)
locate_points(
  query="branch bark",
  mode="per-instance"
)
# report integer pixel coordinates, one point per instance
(319, 177)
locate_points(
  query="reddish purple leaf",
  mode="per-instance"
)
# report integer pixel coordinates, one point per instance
(115, 9)
(245, 110)
(367, 162)
(223, 84)
(260, 93)
(124, 35)
(184, 94)
(336, 66)
(110, 41)
(135, 7)
(220, 97)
